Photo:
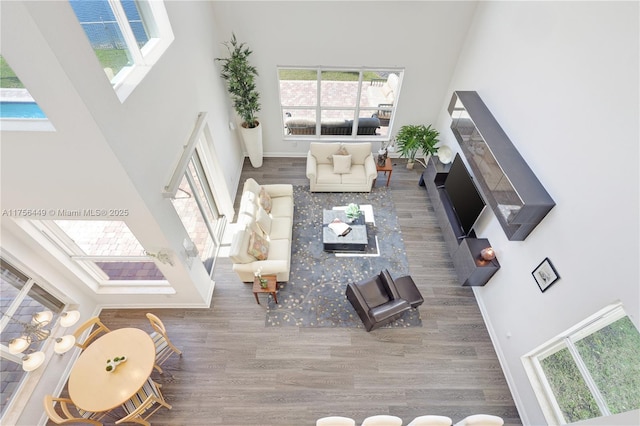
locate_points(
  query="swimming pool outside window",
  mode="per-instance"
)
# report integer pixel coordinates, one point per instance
(127, 36)
(18, 109)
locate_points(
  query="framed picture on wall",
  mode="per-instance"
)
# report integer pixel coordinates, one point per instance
(545, 274)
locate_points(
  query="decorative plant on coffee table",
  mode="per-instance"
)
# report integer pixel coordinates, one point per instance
(414, 138)
(352, 212)
(240, 76)
(264, 283)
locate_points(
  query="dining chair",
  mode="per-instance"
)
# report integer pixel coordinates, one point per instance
(82, 416)
(481, 420)
(382, 420)
(164, 347)
(88, 325)
(141, 406)
(335, 421)
(431, 421)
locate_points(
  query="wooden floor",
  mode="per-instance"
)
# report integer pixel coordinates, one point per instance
(235, 371)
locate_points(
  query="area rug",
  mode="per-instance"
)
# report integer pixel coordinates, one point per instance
(314, 296)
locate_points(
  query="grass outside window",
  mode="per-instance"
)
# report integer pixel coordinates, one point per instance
(8, 79)
(592, 370)
(302, 74)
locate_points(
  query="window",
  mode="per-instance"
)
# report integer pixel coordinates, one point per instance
(18, 109)
(106, 249)
(127, 36)
(194, 203)
(194, 196)
(21, 298)
(590, 371)
(347, 103)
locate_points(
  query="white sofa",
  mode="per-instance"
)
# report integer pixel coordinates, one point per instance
(327, 175)
(263, 231)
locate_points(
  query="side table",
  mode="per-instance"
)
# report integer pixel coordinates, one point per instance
(272, 287)
(388, 167)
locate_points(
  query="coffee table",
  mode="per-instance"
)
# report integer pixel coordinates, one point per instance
(354, 241)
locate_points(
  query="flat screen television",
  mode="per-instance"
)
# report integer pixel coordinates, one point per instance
(466, 200)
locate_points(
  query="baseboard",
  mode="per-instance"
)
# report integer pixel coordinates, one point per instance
(501, 358)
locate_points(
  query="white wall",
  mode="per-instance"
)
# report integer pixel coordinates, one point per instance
(562, 80)
(107, 154)
(423, 37)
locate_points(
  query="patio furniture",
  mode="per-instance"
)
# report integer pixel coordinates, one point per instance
(383, 91)
(303, 126)
(376, 300)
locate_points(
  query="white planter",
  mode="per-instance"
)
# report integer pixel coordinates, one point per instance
(252, 139)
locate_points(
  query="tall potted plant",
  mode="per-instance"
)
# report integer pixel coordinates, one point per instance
(240, 76)
(414, 138)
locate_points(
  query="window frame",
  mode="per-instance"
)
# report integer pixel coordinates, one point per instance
(357, 108)
(205, 202)
(51, 237)
(87, 262)
(18, 124)
(534, 370)
(29, 379)
(153, 11)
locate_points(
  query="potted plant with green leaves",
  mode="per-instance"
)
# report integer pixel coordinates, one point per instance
(240, 77)
(412, 139)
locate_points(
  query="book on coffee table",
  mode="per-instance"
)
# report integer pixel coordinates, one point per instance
(339, 227)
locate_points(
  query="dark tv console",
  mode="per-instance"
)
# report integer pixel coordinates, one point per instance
(465, 250)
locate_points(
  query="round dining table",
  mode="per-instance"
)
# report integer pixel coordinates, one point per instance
(93, 388)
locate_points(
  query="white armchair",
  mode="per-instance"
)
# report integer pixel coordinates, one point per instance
(481, 420)
(335, 421)
(382, 420)
(431, 421)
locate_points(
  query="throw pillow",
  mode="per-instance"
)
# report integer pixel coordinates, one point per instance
(341, 164)
(258, 247)
(341, 151)
(265, 200)
(264, 221)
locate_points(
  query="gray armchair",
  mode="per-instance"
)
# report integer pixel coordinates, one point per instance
(378, 301)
